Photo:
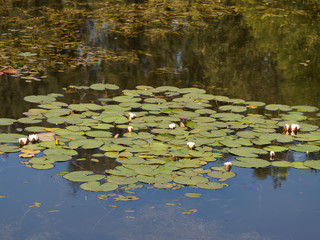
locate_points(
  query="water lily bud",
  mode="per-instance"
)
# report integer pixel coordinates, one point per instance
(172, 125)
(130, 129)
(191, 145)
(33, 138)
(294, 128)
(272, 155)
(227, 166)
(116, 136)
(131, 116)
(23, 141)
(286, 128)
(182, 125)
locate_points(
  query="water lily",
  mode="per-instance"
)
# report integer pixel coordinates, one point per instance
(182, 125)
(294, 128)
(172, 125)
(131, 116)
(130, 129)
(23, 141)
(191, 145)
(272, 155)
(33, 138)
(286, 128)
(227, 166)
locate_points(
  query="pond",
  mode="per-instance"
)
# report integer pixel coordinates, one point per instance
(228, 74)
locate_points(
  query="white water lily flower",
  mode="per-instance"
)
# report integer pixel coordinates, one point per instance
(228, 166)
(23, 141)
(130, 129)
(191, 145)
(286, 128)
(172, 125)
(294, 127)
(33, 138)
(131, 116)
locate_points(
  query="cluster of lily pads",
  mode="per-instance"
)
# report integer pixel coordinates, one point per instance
(166, 136)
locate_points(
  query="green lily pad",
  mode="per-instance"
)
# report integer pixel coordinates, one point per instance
(60, 151)
(304, 148)
(10, 137)
(104, 86)
(95, 186)
(233, 108)
(281, 164)
(83, 176)
(8, 148)
(221, 174)
(249, 162)
(276, 148)
(35, 129)
(312, 164)
(247, 151)
(39, 99)
(6, 121)
(27, 120)
(42, 166)
(304, 108)
(58, 158)
(211, 185)
(278, 107)
(101, 134)
(194, 180)
(122, 180)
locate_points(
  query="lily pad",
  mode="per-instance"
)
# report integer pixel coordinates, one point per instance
(250, 162)
(305, 148)
(247, 151)
(83, 176)
(6, 121)
(278, 107)
(312, 164)
(95, 186)
(39, 99)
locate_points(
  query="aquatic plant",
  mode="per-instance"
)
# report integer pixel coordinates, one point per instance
(160, 151)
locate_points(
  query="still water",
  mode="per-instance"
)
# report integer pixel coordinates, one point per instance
(262, 52)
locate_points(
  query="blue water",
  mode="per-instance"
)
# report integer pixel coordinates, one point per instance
(249, 208)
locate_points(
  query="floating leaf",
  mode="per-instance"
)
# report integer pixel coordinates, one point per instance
(278, 107)
(8, 149)
(304, 108)
(97, 187)
(221, 175)
(247, 151)
(305, 148)
(103, 86)
(211, 185)
(312, 164)
(6, 121)
(83, 176)
(250, 162)
(39, 99)
(281, 164)
(193, 195)
(42, 166)
(276, 148)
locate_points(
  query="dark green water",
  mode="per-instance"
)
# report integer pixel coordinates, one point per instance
(263, 52)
